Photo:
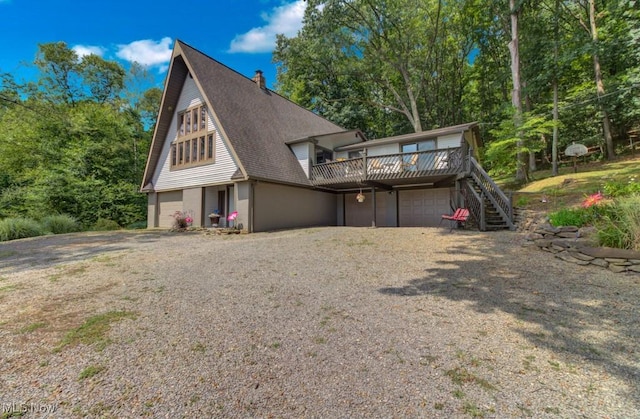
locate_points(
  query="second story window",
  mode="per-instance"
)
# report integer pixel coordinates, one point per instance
(323, 155)
(195, 142)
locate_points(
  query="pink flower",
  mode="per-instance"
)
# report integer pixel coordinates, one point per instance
(592, 200)
(189, 220)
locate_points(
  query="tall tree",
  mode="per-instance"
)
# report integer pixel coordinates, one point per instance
(585, 12)
(516, 98)
(556, 117)
(407, 57)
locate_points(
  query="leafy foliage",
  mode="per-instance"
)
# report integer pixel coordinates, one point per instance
(74, 142)
(616, 189)
(501, 153)
(398, 66)
(386, 67)
(621, 226)
(578, 217)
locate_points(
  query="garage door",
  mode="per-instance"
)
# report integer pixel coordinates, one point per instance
(168, 204)
(422, 207)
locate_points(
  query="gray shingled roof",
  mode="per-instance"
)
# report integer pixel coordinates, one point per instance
(257, 122)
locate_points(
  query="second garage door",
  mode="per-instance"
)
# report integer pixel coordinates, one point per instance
(422, 207)
(360, 214)
(168, 204)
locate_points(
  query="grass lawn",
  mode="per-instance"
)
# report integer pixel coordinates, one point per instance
(569, 188)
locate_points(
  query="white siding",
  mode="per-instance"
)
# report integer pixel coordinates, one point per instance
(383, 149)
(302, 153)
(450, 141)
(218, 172)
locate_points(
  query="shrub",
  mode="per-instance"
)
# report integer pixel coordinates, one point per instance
(138, 225)
(105, 225)
(620, 226)
(578, 217)
(19, 228)
(182, 220)
(60, 224)
(616, 189)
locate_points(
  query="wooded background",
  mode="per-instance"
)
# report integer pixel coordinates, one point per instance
(396, 66)
(536, 75)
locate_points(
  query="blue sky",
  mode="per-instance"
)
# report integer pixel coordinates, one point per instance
(238, 33)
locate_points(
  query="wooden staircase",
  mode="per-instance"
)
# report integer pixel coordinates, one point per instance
(490, 208)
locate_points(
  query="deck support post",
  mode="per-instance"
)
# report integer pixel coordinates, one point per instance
(373, 203)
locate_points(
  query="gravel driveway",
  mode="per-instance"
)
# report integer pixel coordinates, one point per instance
(324, 322)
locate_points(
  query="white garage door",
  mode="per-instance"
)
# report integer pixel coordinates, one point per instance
(168, 204)
(422, 207)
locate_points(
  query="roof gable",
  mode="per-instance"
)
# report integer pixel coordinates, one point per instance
(256, 122)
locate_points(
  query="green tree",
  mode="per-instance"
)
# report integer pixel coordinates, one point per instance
(70, 143)
(401, 57)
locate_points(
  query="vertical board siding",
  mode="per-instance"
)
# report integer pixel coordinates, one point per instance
(218, 172)
(450, 141)
(383, 149)
(280, 206)
(301, 152)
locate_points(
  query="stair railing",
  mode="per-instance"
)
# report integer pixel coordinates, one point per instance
(492, 191)
(475, 204)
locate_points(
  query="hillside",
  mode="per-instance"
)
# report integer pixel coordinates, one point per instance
(569, 189)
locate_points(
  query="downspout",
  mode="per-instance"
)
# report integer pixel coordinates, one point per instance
(251, 206)
(344, 210)
(156, 215)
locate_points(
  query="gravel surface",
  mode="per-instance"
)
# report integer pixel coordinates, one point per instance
(324, 322)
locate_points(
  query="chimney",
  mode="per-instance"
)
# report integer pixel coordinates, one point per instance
(259, 79)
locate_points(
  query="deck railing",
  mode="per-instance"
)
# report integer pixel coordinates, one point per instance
(389, 167)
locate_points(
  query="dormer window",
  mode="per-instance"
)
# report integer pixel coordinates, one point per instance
(195, 143)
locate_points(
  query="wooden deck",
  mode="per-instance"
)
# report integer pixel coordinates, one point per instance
(389, 168)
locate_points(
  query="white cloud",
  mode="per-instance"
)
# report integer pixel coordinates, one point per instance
(286, 19)
(147, 52)
(82, 50)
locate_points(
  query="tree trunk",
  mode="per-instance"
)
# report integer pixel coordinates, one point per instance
(531, 154)
(606, 123)
(514, 49)
(554, 142)
(532, 162)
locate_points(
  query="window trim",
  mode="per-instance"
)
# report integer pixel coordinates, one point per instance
(192, 134)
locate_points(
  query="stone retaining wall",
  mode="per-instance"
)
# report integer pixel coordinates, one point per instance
(572, 244)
